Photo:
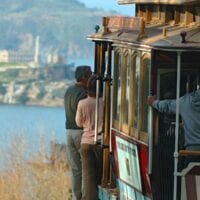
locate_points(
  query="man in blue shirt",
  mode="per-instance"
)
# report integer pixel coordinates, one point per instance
(190, 114)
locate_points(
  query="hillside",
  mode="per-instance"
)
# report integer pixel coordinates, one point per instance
(44, 86)
(62, 26)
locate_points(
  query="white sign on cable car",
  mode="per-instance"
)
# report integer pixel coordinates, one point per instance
(129, 169)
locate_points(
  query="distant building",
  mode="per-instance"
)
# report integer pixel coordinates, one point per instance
(49, 58)
(37, 49)
(55, 59)
(21, 56)
(4, 56)
(16, 56)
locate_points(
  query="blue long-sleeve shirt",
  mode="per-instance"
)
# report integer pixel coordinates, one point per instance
(190, 114)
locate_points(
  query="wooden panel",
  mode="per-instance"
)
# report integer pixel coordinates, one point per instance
(124, 23)
(176, 17)
(189, 16)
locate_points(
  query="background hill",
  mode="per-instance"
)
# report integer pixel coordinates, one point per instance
(62, 26)
(44, 86)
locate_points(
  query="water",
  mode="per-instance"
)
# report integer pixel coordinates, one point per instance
(31, 128)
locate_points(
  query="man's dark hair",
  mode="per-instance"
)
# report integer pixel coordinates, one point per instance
(82, 71)
(91, 86)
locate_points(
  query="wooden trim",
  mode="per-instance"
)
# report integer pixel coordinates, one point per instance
(143, 99)
(139, 83)
(125, 128)
(140, 11)
(148, 14)
(190, 183)
(134, 133)
(97, 56)
(106, 135)
(156, 128)
(136, 61)
(188, 16)
(117, 54)
(176, 16)
(115, 124)
(139, 135)
(189, 153)
(143, 137)
(132, 91)
(123, 90)
(140, 95)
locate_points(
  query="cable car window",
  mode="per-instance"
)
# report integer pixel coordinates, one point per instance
(155, 11)
(145, 93)
(136, 95)
(125, 80)
(117, 86)
(197, 17)
(127, 66)
(182, 14)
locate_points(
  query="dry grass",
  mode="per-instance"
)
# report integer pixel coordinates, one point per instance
(37, 179)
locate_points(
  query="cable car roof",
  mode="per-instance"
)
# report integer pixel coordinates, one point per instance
(170, 37)
(154, 36)
(171, 2)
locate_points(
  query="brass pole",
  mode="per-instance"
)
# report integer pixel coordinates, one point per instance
(106, 136)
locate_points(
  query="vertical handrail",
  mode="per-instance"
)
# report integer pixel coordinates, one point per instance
(104, 93)
(197, 83)
(177, 124)
(106, 162)
(111, 119)
(96, 110)
(150, 130)
(150, 141)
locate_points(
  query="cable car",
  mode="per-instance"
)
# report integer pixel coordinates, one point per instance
(156, 51)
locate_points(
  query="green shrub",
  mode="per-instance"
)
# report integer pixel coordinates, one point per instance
(22, 99)
(41, 94)
(59, 93)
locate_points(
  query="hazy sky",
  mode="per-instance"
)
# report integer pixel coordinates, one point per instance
(110, 5)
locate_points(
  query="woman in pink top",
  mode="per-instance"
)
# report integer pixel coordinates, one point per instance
(91, 154)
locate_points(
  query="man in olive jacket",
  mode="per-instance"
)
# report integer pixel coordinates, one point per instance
(73, 95)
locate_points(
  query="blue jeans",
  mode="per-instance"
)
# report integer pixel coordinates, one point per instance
(74, 159)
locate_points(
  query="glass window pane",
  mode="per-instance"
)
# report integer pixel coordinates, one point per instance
(117, 84)
(136, 95)
(127, 66)
(146, 68)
